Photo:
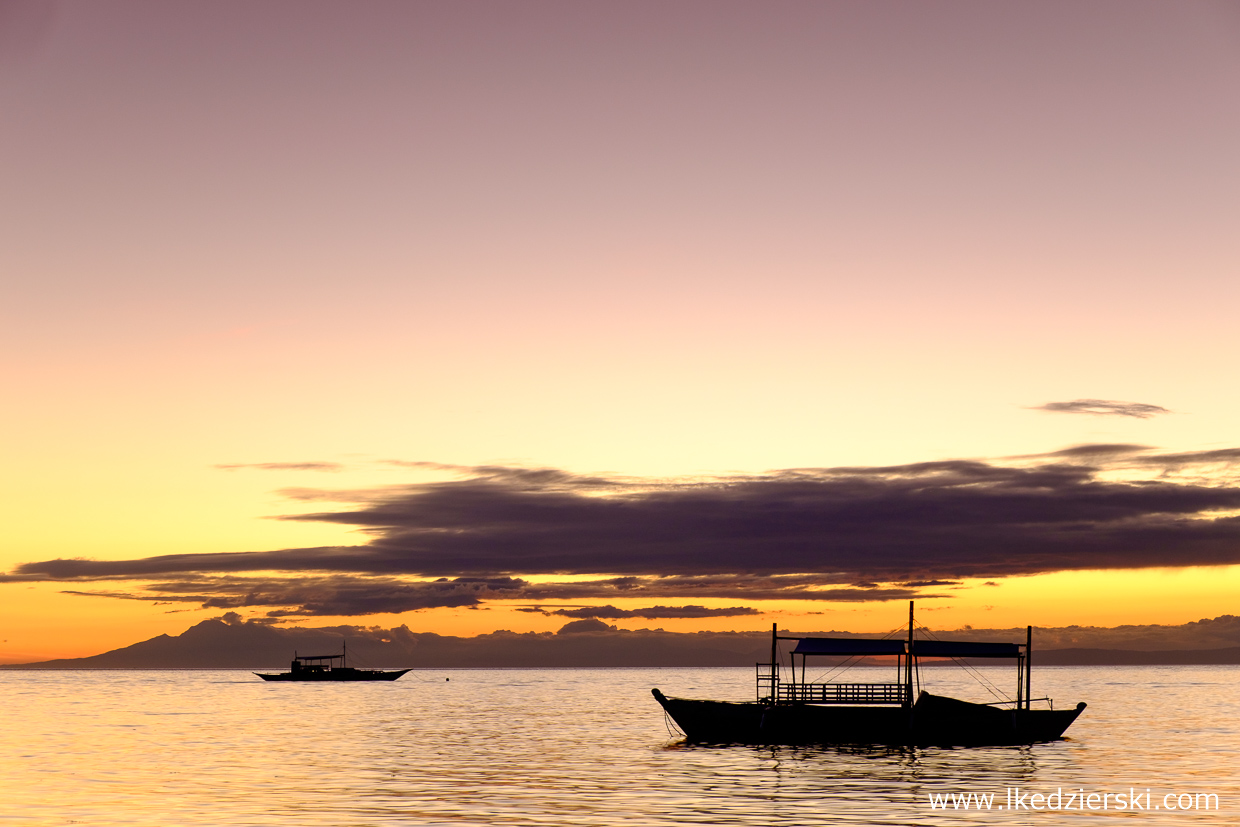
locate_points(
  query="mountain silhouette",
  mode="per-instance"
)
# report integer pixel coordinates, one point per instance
(230, 642)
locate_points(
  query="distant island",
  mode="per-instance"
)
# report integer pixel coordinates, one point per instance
(232, 642)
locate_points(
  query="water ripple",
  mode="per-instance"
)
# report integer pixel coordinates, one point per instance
(558, 747)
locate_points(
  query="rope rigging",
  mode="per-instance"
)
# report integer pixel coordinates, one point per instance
(365, 664)
(855, 660)
(972, 671)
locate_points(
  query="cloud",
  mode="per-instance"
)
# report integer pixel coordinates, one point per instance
(350, 595)
(589, 625)
(1097, 451)
(1104, 407)
(283, 466)
(650, 613)
(806, 534)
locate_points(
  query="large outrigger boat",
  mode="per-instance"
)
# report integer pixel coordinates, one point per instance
(324, 668)
(792, 711)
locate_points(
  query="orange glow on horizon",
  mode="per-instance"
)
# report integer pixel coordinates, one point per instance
(43, 623)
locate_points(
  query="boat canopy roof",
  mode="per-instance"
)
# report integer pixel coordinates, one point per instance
(964, 649)
(859, 647)
(847, 646)
(319, 657)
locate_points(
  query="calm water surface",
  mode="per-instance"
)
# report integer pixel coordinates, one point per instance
(568, 746)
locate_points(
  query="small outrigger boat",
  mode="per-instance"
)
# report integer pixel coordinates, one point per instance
(324, 668)
(789, 711)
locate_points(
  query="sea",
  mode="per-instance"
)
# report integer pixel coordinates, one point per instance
(587, 747)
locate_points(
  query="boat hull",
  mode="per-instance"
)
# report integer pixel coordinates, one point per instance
(933, 721)
(334, 675)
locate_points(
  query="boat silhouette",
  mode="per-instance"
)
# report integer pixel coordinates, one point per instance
(324, 668)
(792, 711)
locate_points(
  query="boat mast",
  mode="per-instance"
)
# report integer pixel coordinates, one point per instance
(775, 663)
(1028, 667)
(908, 659)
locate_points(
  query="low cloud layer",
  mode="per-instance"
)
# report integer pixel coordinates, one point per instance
(353, 595)
(822, 534)
(1105, 407)
(651, 613)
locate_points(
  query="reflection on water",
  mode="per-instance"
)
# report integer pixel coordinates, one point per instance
(567, 746)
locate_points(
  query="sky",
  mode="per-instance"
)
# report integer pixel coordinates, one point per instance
(706, 315)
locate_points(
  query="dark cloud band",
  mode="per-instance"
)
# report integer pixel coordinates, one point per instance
(749, 537)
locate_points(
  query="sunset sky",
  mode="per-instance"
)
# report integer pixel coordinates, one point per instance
(696, 315)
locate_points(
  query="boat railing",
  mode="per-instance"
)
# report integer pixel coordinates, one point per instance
(768, 681)
(316, 663)
(843, 693)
